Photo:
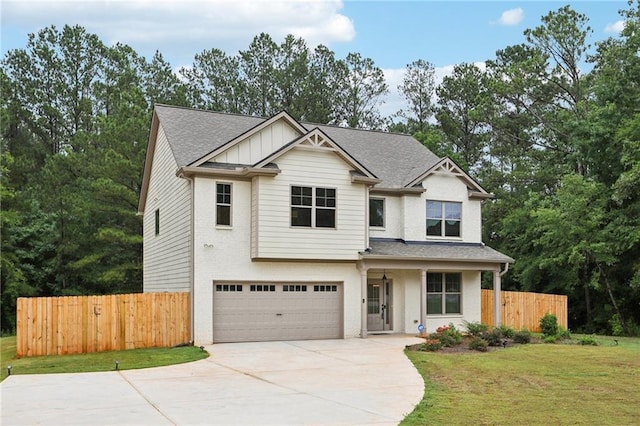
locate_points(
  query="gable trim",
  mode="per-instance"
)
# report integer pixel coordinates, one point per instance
(450, 167)
(266, 123)
(317, 139)
(148, 162)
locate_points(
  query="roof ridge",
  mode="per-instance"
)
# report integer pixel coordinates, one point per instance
(210, 111)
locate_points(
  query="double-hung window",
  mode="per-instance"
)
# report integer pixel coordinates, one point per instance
(376, 212)
(223, 204)
(444, 218)
(444, 292)
(313, 207)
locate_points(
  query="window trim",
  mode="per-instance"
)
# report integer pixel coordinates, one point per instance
(443, 293)
(157, 222)
(314, 207)
(442, 219)
(229, 205)
(384, 212)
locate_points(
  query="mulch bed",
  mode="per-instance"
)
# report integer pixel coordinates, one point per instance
(464, 346)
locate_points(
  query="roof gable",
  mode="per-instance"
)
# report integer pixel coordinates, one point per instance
(448, 166)
(282, 116)
(316, 139)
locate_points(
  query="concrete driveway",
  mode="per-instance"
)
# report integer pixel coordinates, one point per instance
(329, 382)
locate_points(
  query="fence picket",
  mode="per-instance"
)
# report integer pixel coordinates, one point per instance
(524, 309)
(81, 324)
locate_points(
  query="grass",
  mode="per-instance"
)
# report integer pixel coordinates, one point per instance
(537, 384)
(100, 361)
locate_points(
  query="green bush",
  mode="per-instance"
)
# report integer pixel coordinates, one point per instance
(522, 336)
(550, 339)
(507, 331)
(549, 325)
(588, 341)
(563, 333)
(476, 328)
(431, 345)
(478, 344)
(493, 337)
(616, 326)
(448, 335)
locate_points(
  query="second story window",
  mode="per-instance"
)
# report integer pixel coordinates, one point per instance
(313, 207)
(444, 219)
(376, 212)
(223, 204)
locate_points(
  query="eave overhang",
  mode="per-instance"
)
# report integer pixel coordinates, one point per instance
(238, 172)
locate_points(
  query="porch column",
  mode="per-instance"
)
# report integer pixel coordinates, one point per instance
(423, 301)
(363, 305)
(497, 299)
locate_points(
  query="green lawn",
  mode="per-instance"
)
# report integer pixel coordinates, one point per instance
(101, 361)
(536, 384)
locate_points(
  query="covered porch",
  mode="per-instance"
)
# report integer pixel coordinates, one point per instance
(415, 287)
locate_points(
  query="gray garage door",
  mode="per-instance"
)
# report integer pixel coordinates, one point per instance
(248, 312)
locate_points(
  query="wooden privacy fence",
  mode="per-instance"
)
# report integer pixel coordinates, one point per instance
(524, 310)
(81, 324)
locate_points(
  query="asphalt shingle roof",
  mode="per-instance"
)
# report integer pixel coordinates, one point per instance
(465, 252)
(395, 158)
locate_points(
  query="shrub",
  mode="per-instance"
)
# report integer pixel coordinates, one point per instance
(563, 333)
(522, 336)
(549, 324)
(449, 335)
(476, 328)
(616, 326)
(478, 344)
(493, 337)
(588, 341)
(507, 331)
(550, 339)
(431, 345)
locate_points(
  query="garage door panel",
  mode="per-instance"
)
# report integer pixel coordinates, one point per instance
(276, 311)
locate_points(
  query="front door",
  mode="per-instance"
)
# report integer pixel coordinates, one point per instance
(379, 307)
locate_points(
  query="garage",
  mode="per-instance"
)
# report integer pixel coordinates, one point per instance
(263, 311)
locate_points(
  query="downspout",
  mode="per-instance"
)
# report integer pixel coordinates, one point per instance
(191, 256)
(506, 269)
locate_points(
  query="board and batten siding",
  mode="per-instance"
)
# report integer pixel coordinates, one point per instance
(166, 256)
(259, 145)
(277, 239)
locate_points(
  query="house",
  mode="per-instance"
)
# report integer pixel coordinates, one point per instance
(284, 230)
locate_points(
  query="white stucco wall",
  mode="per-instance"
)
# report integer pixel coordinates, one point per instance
(393, 220)
(224, 254)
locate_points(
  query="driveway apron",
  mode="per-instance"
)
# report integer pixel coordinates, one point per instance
(315, 382)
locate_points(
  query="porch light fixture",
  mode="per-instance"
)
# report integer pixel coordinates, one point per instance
(384, 276)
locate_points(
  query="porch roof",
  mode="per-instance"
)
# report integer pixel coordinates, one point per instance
(396, 249)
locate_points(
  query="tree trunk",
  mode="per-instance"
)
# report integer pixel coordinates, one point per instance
(613, 300)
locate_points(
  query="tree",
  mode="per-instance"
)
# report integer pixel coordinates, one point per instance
(463, 105)
(361, 92)
(258, 67)
(322, 86)
(214, 82)
(418, 88)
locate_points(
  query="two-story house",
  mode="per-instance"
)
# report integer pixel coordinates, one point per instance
(282, 230)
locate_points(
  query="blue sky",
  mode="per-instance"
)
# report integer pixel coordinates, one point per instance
(392, 33)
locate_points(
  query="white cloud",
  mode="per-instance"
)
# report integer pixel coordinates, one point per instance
(171, 25)
(511, 17)
(616, 27)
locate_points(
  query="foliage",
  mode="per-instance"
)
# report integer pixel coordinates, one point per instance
(478, 344)
(550, 339)
(493, 337)
(431, 344)
(448, 335)
(507, 332)
(475, 328)
(522, 336)
(587, 341)
(549, 325)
